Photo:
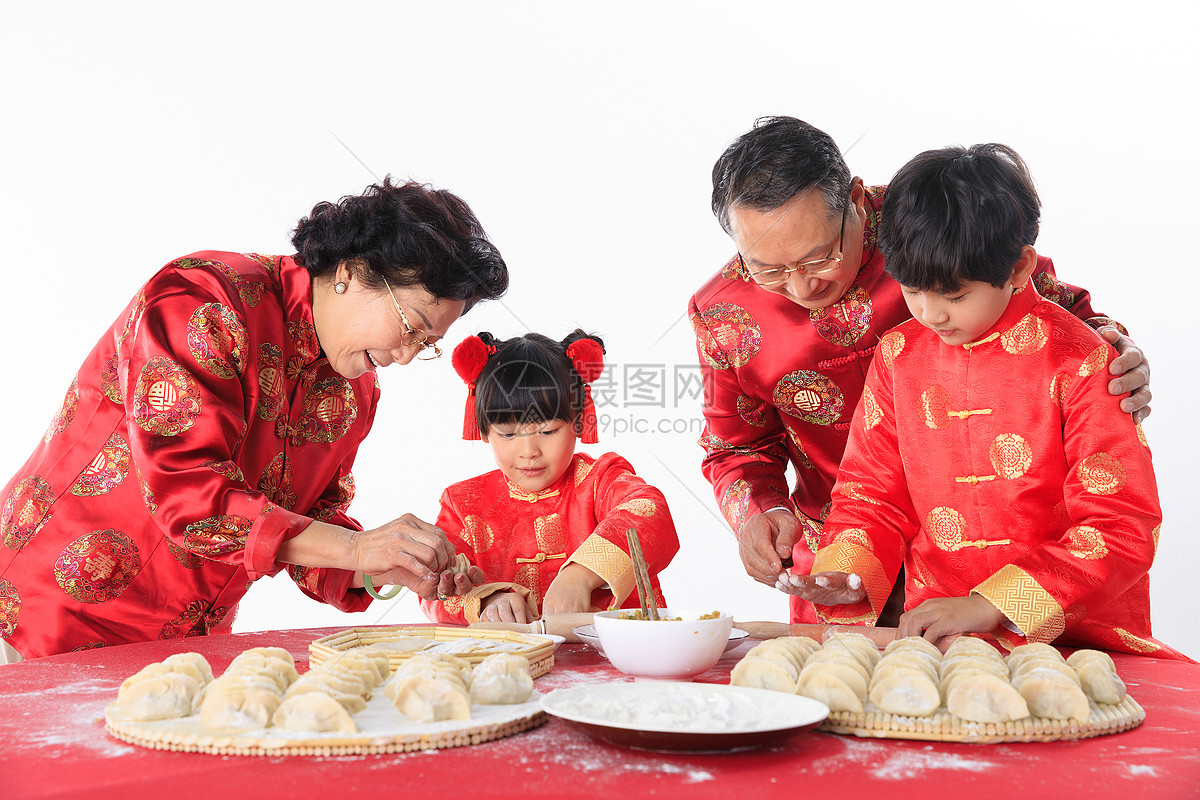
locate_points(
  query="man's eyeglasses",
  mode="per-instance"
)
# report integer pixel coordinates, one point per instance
(414, 337)
(777, 275)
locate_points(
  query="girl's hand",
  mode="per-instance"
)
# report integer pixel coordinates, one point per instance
(571, 591)
(451, 584)
(948, 616)
(823, 588)
(406, 551)
(504, 607)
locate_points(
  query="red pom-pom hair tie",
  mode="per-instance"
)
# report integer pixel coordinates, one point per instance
(469, 359)
(587, 356)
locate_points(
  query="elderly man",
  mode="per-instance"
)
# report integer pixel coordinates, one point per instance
(786, 331)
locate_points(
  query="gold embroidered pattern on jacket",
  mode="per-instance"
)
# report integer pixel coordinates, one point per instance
(1011, 455)
(1100, 473)
(1029, 335)
(1086, 542)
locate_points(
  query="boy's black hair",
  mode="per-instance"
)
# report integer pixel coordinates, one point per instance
(958, 214)
(530, 380)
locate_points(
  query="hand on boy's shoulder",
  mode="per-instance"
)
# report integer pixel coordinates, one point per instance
(1131, 369)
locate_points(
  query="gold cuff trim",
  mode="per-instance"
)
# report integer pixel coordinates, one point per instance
(1026, 604)
(608, 561)
(845, 556)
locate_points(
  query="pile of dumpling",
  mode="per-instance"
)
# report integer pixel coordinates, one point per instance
(261, 688)
(972, 681)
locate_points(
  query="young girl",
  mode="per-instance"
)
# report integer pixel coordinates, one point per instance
(548, 528)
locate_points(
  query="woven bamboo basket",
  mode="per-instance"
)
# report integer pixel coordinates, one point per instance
(942, 726)
(539, 650)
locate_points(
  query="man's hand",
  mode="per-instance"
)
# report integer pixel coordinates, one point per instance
(823, 588)
(1132, 372)
(940, 617)
(765, 540)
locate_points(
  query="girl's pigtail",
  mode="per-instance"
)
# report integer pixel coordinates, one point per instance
(469, 359)
(587, 357)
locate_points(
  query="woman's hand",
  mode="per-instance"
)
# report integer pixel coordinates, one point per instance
(406, 551)
(452, 584)
(948, 616)
(571, 591)
(823, 588)
(504, 607)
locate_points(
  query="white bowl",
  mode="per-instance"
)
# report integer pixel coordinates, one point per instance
(665, 649)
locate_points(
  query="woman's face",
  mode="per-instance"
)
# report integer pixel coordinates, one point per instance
(362, 329)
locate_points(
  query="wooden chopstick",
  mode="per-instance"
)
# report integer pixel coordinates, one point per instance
(641, 576)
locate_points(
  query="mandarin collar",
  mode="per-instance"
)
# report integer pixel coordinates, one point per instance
(1019, 306)
(298, 309)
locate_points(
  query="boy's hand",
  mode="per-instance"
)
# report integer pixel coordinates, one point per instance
(823, 588)
(949, 616)
(504, 607)
(451, 584)
(764, 540)
(571, 591)
(1132, 372)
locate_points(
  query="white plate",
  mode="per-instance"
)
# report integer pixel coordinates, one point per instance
(684, 716)
(587, 635)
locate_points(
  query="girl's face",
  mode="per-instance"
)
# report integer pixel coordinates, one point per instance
(533, 456)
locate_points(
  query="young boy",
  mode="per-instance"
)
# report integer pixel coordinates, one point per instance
(985, 455)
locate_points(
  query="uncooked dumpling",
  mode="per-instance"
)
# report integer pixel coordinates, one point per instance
(166, 695)
(843, 672)
(831, 691)
(862, 647)
(501, 679)
(763, 673)
(238, 706)
(313, 711)
(1050, 697)
(194, 659)
(982, 697)
(428, 700)
(907, 692)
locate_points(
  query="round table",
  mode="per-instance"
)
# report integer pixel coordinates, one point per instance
(54, 745)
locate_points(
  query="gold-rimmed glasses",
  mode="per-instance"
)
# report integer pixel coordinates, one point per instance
(777, 275)
(414, 337)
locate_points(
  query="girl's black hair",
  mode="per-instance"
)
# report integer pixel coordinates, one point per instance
(530, 380)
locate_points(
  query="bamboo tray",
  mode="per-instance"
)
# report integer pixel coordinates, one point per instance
(942, 726)
(382, 729)
(538, 649)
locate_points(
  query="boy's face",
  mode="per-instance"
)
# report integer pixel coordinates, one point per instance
(960, 316)
(533, 456)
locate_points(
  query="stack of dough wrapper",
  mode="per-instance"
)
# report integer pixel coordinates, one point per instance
(262, 689)
(972, 681)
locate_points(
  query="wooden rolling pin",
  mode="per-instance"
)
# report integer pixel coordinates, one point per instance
(564, 625)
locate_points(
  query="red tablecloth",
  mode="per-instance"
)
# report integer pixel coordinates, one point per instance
(53, 744)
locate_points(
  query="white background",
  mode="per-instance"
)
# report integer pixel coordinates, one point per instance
(583, 137)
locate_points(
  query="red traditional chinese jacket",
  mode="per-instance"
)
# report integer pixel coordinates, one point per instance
(203, 430)
(781, 384)
(521, 539)
(1001, 467)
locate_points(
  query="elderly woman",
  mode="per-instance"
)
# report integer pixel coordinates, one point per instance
(208, 438)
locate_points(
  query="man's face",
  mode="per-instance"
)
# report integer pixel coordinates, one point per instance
(799, 231)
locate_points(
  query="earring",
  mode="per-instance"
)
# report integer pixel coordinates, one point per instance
(340, 287)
